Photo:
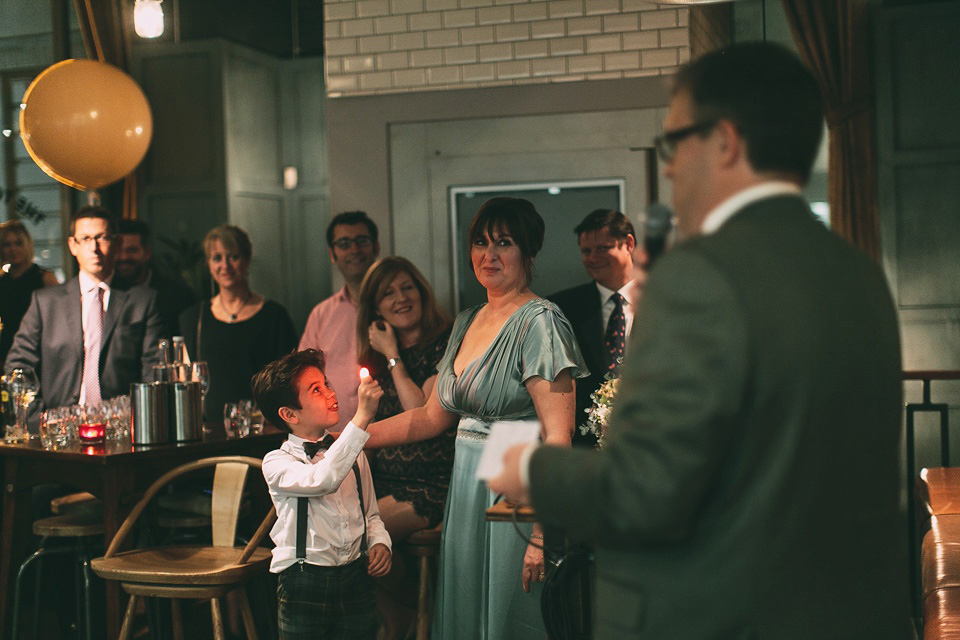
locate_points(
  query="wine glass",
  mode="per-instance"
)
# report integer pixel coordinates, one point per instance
(23, 387)
(199, 372)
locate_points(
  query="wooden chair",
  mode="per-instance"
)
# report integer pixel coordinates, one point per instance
(193, 571)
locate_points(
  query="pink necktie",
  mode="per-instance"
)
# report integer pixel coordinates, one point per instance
(91, 350)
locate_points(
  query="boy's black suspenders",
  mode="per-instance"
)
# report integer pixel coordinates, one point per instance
(302, 520)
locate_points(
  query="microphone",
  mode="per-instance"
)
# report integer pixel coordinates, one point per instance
(656, 231)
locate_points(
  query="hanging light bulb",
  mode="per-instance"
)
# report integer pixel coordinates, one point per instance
(148, 18)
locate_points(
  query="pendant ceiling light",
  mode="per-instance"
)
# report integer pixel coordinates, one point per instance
(148, 18)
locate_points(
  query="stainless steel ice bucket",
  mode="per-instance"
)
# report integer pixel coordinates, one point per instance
(148, 413)
(184, 411)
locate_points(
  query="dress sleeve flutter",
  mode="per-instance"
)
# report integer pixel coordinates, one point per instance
(548, 345)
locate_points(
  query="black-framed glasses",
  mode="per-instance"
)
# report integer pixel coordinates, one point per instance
(102, 239)
(666, 143)
(345, 243)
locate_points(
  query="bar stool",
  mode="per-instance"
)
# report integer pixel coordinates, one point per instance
(424, 544)
(83, 528)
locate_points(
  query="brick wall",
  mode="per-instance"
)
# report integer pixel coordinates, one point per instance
(391, 46)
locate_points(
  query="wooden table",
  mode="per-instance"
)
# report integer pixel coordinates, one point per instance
(503, 512)
(115, 472)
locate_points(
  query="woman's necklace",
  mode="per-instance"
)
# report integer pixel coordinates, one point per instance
(233, 315)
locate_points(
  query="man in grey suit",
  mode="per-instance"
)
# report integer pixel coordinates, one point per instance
(749, 483)
(85, 340)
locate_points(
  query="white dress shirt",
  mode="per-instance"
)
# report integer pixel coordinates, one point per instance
(334, 522)
(88, 296)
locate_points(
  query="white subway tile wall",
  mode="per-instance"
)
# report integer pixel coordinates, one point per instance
(391, 46)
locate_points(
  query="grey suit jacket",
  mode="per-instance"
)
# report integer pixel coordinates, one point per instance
(749, 485)
(50, 341)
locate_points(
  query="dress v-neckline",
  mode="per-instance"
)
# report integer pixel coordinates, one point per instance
(453, 364)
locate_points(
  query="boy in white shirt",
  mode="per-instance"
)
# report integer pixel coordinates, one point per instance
(327, 517)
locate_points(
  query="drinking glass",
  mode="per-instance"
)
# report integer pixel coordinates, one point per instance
(52, 432)
(164, 373)
(231, 419)
(23, 388)
(199, 372)
(244, 413)
(180, 355)
(166, 356)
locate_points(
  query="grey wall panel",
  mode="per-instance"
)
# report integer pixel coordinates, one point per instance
(308, 99)
(183, 90)
(183, 218)
(928, 228)
(253, 122)
(926, 87)
(308, 257)
(263, 218)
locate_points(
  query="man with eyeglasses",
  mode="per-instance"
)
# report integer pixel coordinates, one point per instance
(332, 325)
(88, 341)
(749, 482)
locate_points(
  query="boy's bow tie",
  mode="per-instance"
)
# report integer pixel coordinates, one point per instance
(312, 448)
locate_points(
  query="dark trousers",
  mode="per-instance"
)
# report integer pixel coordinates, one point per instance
(326, 603)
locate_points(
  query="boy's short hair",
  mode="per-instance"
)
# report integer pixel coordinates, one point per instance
(276, 385)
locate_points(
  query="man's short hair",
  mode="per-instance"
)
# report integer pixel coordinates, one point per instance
(616, 223)
(136, 228)
(91, 211)
(352, 217)
(768, 94)
(276, 384)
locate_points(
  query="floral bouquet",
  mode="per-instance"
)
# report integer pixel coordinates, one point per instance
(599, 414)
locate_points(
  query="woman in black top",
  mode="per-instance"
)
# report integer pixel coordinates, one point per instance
(18, 281)
(238, 331)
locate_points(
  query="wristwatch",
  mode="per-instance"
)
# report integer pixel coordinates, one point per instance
(391, 363)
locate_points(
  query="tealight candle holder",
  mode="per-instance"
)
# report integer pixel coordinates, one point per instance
(91, 432)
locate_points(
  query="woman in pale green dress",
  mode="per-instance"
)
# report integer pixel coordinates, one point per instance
(513, 358)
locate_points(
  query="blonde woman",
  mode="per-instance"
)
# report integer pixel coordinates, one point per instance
(237, 331)
(19, 278)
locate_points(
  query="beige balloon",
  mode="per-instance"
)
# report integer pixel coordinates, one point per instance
(85, 123)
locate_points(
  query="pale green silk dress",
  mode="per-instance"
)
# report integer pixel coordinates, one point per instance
(479, 595)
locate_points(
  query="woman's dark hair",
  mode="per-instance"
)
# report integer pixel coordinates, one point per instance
(516, 217)
(276, 384)
(432, 318)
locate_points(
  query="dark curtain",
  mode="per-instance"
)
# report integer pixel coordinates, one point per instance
(832, 38)
(106, 26)
(711, 28)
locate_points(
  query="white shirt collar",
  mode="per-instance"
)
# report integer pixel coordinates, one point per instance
(298, 441)
(88, 283)
(725, 210)
(605, 293)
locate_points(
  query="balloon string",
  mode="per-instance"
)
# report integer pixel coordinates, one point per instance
(93, 31)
